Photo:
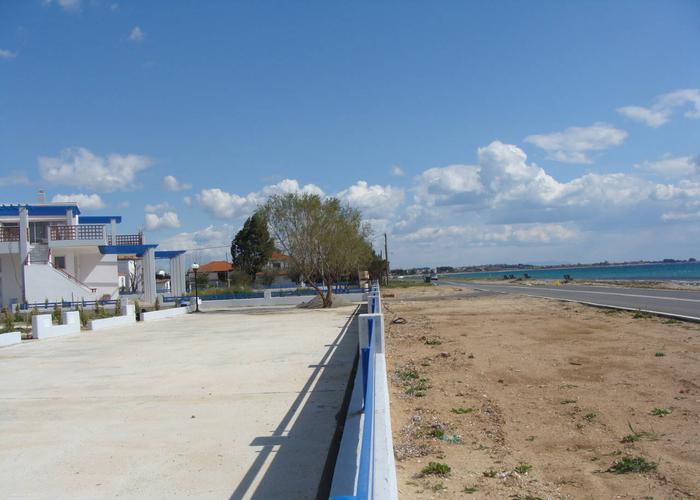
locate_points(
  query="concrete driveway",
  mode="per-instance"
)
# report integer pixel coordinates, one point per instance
(218, 405)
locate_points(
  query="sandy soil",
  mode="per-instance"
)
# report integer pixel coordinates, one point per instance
(494, 384)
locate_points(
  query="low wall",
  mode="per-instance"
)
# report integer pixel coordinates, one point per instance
(10, 338)
(43, 328)
(268, 300)
(127, 317)
(164, 313)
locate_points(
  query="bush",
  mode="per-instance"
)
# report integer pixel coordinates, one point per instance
(56, 314)
(18, 314)
(268, 278)
(8, 321)
(118, 307)
(156, 306)
(83, 316)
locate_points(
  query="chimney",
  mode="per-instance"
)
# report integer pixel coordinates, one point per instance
(41, 196)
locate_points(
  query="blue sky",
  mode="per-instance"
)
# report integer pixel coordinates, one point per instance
(471, 133)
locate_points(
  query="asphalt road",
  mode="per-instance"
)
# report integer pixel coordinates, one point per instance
(669, 302)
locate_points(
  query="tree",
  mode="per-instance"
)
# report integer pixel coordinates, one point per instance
(377, 267)
(252, 247)
(324, 239)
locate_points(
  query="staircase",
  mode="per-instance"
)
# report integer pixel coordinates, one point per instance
(39, 254)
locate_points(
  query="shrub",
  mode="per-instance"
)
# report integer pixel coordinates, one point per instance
(56, 314)
(8, 321)
(118, 307)
(156, 306)
(436, 469)
(631, 464)
(18, 314)
(83, 316)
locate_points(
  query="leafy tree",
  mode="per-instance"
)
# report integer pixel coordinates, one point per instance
(324, 239)
(252, 247)
(377, 267)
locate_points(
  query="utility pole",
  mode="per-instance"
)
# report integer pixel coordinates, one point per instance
(386, 257)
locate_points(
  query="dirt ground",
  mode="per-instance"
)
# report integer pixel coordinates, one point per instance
(531, 398)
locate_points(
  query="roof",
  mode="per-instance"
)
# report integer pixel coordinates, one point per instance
(216, 266)
(40, 209)
(278, 256)
(168, 254)
(137, 250)
(99, 219)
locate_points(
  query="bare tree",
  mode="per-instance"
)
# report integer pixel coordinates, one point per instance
(324, 239)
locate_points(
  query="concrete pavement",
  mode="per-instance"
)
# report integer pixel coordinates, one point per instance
(680, 303)
(217, 405)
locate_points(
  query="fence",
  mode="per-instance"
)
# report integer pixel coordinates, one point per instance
(374, 468)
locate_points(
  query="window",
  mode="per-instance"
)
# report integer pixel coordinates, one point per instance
(59, 262)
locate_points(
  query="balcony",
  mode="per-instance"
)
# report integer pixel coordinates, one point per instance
(126, 239)
(80, 235)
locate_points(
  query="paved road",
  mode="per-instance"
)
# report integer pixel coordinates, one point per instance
(674, 302)
(217, 405)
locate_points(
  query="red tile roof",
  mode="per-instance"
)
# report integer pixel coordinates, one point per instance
(278, 256)
(216, 266)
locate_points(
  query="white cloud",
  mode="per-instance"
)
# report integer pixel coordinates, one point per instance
(673, 167)
(680, 216)
(491, 234)
(124, 204)
(136, 34)
(187, 200)
(575, 143)
(169, 220)
(65, 4)
(660, 112)
(221, 204)
(374, 201)
(84, 201)
(171, 183)
(159, 207)
(211, 242)
(80, 168)
(397, 171)
(7, 54)
(14, 180)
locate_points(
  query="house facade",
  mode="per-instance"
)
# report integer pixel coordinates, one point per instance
(50, 252)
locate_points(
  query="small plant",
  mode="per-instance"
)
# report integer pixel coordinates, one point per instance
(436, 469)
(56, 314)
(530, 438)
(436, 432)
(567, 401)
(432, 342)
(635, 436)
(407, 374)
(660, 412)
(118, 307)
(631, 464)
(8, 321)
(470, 489)
(462, 411)
(590, 417)
(660, 354)
(522, 468)
(489, 473)
(642, 315)
(18, 314)
(83, 316)
(438, 487)
(156, 306)
(35, 311)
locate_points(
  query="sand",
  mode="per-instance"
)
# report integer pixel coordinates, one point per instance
(549, 386)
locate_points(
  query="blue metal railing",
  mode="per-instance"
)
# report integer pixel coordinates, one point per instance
(66, 304)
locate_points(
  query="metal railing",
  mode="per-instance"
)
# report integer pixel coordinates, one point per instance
(9, 233)
(376, 471)
(80, 232)
(126, 239)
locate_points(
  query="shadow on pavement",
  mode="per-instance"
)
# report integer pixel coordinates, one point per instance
(297, 458)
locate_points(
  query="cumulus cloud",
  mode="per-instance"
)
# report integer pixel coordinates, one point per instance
(574, 144)
(7, 54)
(171, 183)
(81, 168)
(374, 201)
(507, 233)
(136, 34)
(168, 220)
(84, 201)
(211, 242)
(663, 107)
(397, 171)
(158, 207)
(673, 167)
(224, 205)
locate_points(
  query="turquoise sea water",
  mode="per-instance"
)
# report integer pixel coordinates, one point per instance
(680, 271)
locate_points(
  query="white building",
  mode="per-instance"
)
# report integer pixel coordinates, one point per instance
(49, 252)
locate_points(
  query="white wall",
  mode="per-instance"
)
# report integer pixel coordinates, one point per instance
(44, 282)
(99, 271)
(11, 278)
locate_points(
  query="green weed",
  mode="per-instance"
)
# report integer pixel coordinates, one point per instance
(462, 411)
(522, 468)
(631, 464)
(436, 469)
(660, 412)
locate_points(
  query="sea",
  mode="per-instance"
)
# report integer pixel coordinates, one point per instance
(680, 271)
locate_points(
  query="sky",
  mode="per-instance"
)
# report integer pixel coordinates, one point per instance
(471, 133)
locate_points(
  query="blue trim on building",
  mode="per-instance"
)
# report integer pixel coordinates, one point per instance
(99, 219)
(168, 254)
(137, 250)
(38, 210)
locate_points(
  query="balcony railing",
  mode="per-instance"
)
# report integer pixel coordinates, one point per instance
(9, 234)
(126, 239)
(82, 232)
